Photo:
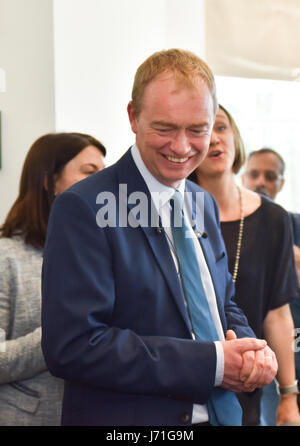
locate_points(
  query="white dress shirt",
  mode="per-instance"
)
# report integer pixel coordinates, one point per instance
(163, 209)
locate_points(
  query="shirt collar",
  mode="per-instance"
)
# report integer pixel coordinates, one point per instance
(152, 183)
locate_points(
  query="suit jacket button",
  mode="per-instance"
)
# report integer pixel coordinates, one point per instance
(185, 418)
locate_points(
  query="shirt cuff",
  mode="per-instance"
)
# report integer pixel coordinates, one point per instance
(220, 363)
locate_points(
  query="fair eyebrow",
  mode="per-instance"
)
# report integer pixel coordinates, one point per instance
(163, 124)
(170, 125)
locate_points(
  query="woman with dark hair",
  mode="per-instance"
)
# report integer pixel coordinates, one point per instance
(29, 395)
(258, 238)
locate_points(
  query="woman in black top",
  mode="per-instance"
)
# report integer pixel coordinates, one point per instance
(258, 238)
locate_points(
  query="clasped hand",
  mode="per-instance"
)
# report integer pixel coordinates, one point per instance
(248, 363)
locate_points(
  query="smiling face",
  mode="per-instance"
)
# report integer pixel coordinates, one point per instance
(221, 154)
(173, 128)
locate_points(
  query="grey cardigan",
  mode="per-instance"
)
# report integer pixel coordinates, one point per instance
(29, 395)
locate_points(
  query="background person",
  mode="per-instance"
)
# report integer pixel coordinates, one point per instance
(264, 172)
(258, 238)
(123, 334)
(29, 395)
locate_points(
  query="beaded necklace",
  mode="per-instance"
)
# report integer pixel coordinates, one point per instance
(240, 236)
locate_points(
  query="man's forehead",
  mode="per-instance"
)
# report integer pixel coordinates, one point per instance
(264, 161)
(178, 80)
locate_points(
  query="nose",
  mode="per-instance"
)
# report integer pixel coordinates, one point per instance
(180, 144)
(260, 180)
(214, 139)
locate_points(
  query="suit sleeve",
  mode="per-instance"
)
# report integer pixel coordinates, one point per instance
(80, 343)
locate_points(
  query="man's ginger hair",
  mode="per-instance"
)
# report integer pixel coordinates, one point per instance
(186, 67)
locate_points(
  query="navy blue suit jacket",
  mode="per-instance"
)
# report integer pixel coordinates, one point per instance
(114, 322)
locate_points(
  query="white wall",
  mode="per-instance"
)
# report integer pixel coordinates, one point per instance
(263, 39)
(27, 105)
(95, 47)
(98, 46)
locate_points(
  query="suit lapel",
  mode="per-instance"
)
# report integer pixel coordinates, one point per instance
(129, 175)
(162, 254)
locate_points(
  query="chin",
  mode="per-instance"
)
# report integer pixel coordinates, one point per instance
(211, 171)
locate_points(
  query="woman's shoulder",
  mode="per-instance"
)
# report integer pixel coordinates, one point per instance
(15, 247)
(264, 205)
(15, 242)
(275, 210)
(252, 201)
(273, 218)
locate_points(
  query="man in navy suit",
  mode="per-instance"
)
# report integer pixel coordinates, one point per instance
(116, 325)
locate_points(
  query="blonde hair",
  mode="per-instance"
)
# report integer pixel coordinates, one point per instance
(240, 153)
(186, 67)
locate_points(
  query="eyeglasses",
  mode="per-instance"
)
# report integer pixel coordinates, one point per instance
(269, 175)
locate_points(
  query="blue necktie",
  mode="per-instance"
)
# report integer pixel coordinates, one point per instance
(223, 406)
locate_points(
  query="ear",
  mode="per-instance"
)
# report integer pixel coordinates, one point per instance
(132, 117)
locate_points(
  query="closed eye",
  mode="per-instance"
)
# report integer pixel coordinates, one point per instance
(164, 130)
(199, 130)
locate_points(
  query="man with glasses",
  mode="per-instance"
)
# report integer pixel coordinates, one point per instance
(264, 172)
